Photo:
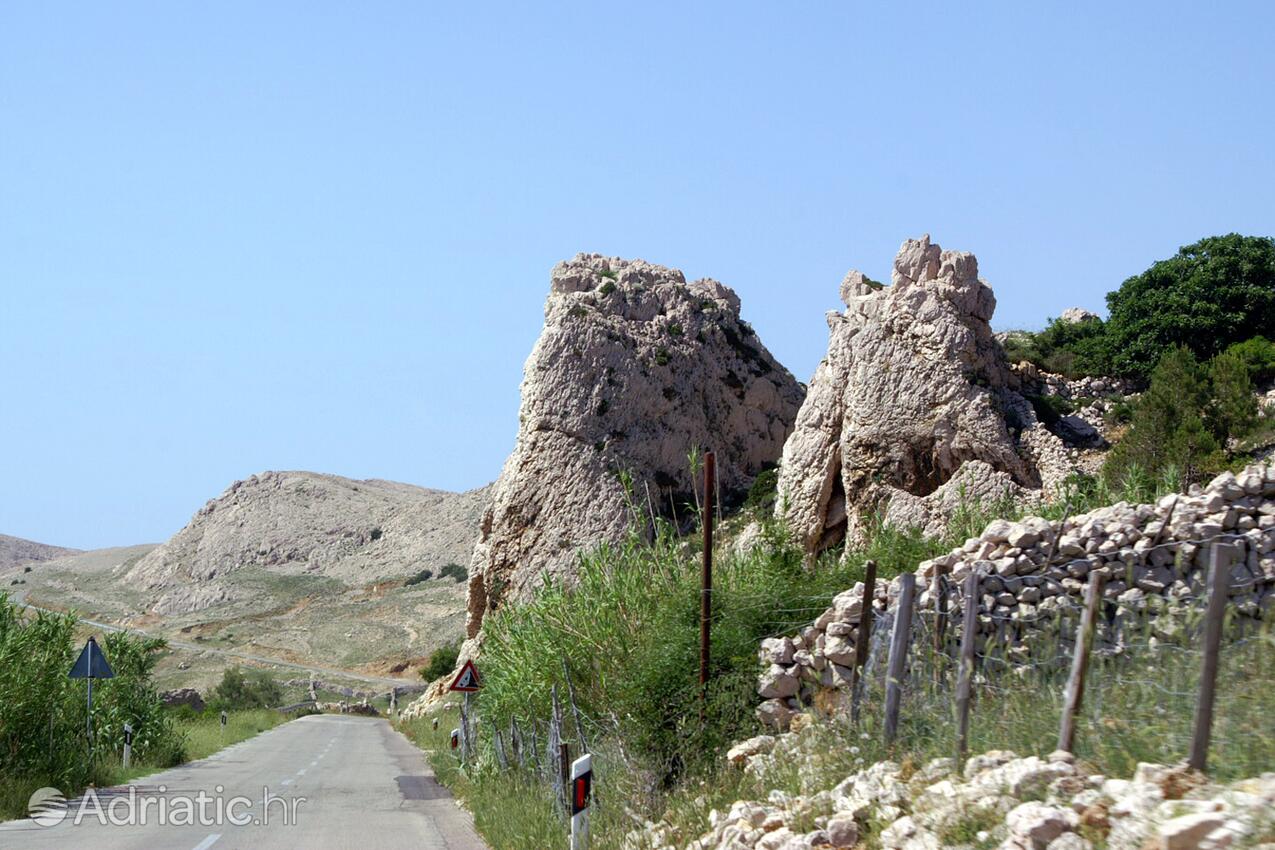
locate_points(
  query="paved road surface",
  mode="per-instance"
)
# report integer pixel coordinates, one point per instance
(352, 782)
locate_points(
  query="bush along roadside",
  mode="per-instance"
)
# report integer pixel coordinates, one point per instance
(43, 713)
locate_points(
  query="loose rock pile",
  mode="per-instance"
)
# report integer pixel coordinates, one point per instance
(1143, 552)
(998, 799)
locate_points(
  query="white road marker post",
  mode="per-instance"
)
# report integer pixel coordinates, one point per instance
(128, 744)
(581, 796)
(223, 726)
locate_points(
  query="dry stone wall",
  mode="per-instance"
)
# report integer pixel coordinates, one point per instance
(1141, 551)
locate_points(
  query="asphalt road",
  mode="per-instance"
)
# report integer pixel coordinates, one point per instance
(333, 782)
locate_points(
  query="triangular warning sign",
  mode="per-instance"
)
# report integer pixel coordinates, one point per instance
(466, 680)
(91, 664)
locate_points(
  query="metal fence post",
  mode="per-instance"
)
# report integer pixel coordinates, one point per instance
(1214, 615)
(900, 640)
(1075, 692)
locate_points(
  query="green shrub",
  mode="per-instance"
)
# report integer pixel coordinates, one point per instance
(1233, 409)
(1168, 427)
(1258, 354)
(1050, 408)
(1209, 296)
(1073, 349)
(422, 576)
(454, 571)
(239, 690)
(441, 662)
(43, 712)
(763, 492)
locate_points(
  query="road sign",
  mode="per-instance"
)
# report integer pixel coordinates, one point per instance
(581, 794)
(128, 743)
(467, 680)
(223, 720)
(91, 664)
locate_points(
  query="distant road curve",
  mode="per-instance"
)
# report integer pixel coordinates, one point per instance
(401, 684)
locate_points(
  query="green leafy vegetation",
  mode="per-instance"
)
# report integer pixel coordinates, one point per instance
(420, 577)
(1065, 348)
(43, 738)
(441, 662)
(1210, 295)
(454, 571)
(1214, 294)
(1187, 418)
(239, 690)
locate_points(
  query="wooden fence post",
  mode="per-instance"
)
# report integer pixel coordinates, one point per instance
(939, 592)
(969, 628)
(900, 639)
(564, 766)
(865, 637)
(1075, 692)
(1219, 576)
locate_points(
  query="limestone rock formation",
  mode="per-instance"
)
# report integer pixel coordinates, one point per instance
(1076, 315)
(634, 368)
(305, 522)
(913, 401)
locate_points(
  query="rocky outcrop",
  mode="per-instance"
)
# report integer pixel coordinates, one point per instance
(913, 401)
(1076, 315)
(1145, 553)
(188, 697)
(305, 522)
(997, 799)
(634, 368)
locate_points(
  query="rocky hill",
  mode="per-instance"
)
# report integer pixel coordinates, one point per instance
(15, 551)
(306, 523)
(635, 367)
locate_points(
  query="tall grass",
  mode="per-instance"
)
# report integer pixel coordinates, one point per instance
(626, 635)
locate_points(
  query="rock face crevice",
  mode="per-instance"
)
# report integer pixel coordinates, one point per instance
(913, 406)
(635, 367)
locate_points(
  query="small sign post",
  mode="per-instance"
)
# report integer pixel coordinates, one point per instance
(467, 682)
(581, 796)
(223, 725)
(91, 665)
(128, 744)
(455, 739)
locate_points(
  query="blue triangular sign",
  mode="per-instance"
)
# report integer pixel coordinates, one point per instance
(91, 664)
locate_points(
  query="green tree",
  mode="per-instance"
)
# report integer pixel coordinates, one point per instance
(1233, 410)
(239, 690)
(1168, 429)
(1258, 354)
(1216, 292)
(441, 662)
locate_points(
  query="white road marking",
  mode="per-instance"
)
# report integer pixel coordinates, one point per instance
(314, 763)
(301, 772)
(286, 781)
(208, 842)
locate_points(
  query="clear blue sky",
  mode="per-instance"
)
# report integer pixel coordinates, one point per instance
(248, 236)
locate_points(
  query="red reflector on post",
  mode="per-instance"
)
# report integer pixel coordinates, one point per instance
(581, 787)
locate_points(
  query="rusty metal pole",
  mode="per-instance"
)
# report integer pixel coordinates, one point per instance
(706, 578)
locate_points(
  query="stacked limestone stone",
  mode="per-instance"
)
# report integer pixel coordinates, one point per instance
(1141, 551)
(1014, 803)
